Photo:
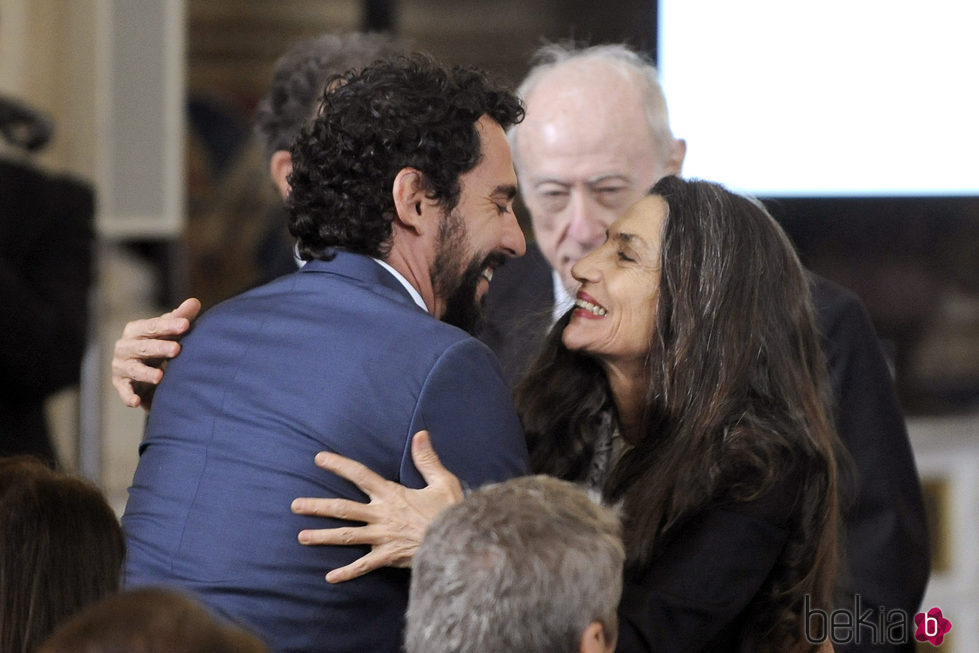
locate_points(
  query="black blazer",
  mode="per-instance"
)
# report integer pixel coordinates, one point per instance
(45, 272)
(886, 544)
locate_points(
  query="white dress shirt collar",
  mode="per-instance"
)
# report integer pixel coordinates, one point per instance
(562, 299)
(415, 295)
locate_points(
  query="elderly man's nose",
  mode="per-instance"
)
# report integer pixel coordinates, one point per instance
(584, 227)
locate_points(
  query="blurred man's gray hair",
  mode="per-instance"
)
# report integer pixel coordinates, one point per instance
(523, 566)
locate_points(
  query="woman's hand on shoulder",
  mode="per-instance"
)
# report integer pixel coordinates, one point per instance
(143, 348)
(396, 517)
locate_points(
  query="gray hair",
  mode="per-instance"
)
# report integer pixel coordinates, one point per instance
(522, 566)
(620, 57)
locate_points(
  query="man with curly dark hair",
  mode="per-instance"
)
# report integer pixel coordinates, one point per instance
(344, 167)
(402, 203)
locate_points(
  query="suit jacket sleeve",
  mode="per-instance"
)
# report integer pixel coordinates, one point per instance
(45, 274)
(467, 408)
(886, 534)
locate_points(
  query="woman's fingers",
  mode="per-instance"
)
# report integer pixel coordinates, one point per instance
(431, 468)
(360, 475)
(335, 508)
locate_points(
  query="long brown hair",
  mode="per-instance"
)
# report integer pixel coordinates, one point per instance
(736, 404)
(61, 548)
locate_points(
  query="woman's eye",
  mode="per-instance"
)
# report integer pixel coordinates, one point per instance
(624, 257)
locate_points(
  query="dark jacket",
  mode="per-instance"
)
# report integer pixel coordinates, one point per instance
(45, 273)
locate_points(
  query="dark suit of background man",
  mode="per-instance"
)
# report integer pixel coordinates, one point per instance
(402, 191)
(45, 274)
(596, 137)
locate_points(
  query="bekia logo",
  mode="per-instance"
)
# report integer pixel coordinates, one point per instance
(861, 625)
(931, 626)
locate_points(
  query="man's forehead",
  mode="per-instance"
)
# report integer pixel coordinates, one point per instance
(583, 87)
(593, 137)
(571, 160)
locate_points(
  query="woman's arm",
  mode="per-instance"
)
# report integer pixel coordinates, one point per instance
(396, 517)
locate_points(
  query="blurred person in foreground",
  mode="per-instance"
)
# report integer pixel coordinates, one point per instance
(61, 548)
(532, 565)
(149, 620)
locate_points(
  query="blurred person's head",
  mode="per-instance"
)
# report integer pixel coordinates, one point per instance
(150, 620)
(298, 81)
(407, 161)
(61, 548)
(532, 565)
(596, 138)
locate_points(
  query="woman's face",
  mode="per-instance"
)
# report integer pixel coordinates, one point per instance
(615, 308)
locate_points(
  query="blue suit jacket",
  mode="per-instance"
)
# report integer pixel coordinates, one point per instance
(334, 357)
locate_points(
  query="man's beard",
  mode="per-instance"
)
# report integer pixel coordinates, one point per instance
(458, 287)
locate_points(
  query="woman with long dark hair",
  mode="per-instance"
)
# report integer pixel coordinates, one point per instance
(687, 384)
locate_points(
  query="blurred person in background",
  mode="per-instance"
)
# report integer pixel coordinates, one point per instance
(46, 243)
(298, 82)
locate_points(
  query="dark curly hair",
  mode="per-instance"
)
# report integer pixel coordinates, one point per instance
(409, 111)
(301, 75)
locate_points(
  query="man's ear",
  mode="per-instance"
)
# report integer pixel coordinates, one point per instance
(280, 167)
(674, 163)
(411, 202)
(593, 640)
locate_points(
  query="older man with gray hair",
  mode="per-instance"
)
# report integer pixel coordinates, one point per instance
(530, 565)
